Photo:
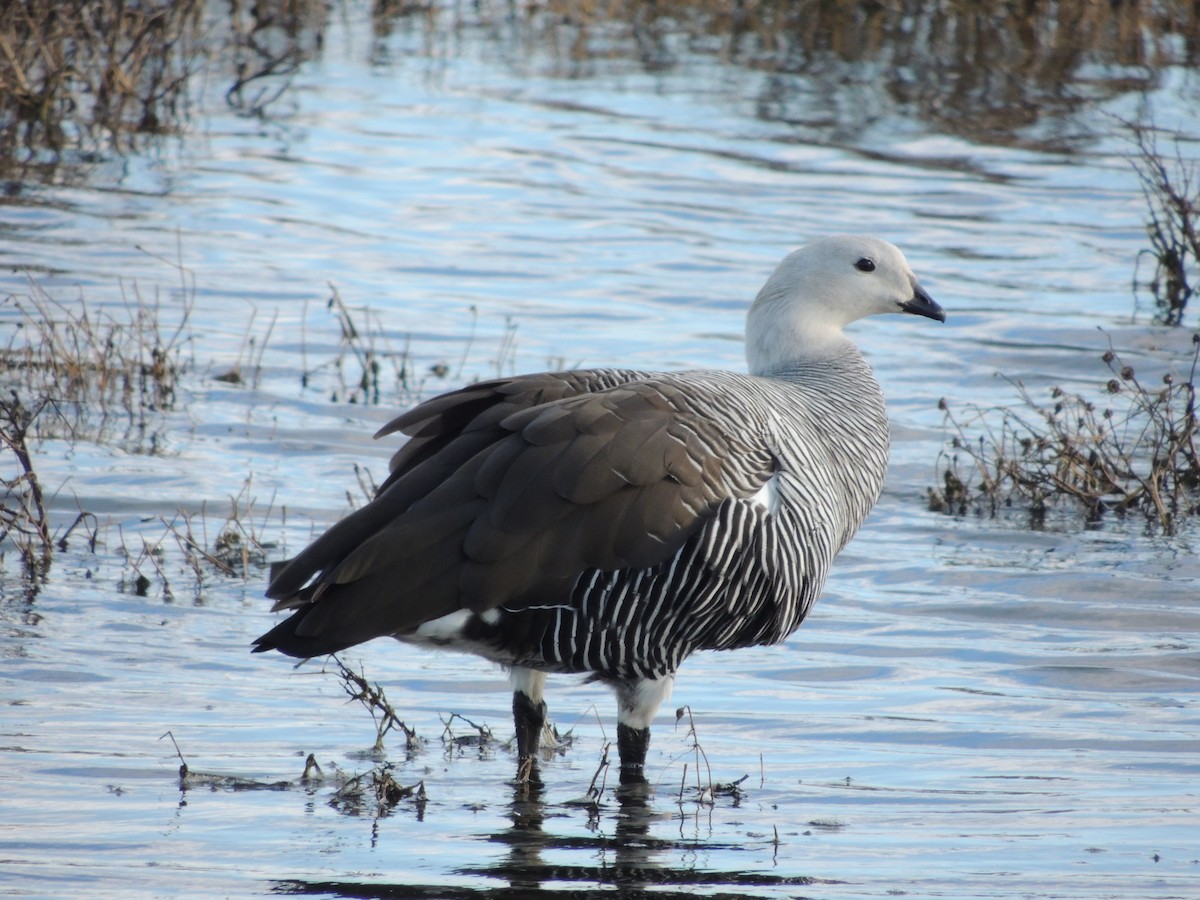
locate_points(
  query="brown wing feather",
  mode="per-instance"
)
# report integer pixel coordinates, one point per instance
(514, 489)
(481, 407)
(467, 419)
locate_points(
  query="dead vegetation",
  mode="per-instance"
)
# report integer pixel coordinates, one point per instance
(370, 367)
(23, 518)
(84, 75)
(1130, 448)
(238, 548)
(478, 737)
(373, 699)
(77, 372)
(1171, 188)
(704, 791)
(87, 77)
(595, 790)
(366, 361)
(375, 793)
(102, 372)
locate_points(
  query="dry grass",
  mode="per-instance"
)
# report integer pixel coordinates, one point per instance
(94, 76)
(595, 791)
(479, 737)
(240, 548)
(100, 371)
(75, 371)
(705, 790)
(366, 361)
(85, 74)
(99, 76)
(371, 367)
(1130, 448)
(374, 793)
(143, 560)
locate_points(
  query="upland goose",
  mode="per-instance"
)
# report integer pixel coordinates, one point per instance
(612, 522)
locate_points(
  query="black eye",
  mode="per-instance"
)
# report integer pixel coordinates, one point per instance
(866, 264)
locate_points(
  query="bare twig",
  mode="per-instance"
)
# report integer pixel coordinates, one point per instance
(373, 698)
(23, 517)
(1171, 187)
(482, 737)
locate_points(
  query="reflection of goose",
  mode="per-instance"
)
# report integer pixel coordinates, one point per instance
(626, 857)
(618, 856)
(612, 521)
(622, 855)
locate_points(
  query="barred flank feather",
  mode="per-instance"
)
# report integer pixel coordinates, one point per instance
(745, 576)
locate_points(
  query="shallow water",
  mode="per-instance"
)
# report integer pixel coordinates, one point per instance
(973, 710)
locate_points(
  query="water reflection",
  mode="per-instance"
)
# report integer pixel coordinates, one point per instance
(622, 854)
(82, 82)
(984, 73)
(1010, 657)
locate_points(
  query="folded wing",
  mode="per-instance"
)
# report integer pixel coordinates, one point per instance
(507, 492)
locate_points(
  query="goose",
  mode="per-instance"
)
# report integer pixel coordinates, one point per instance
(611, 522)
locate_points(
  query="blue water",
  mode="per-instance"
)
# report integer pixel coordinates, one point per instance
(974, 709)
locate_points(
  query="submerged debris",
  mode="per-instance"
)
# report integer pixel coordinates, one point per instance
(375, 791)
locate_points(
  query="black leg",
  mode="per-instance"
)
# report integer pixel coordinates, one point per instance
(529, 718)
(632, 744)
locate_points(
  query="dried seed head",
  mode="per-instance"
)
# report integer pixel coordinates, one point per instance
(1108, 356)
(1126, 372)
(1168, 379)
(942, 405)
(1114, 386)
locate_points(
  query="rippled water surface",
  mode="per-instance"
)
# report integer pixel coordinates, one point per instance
(973, 710)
